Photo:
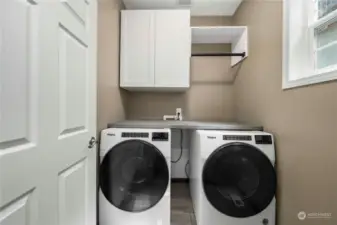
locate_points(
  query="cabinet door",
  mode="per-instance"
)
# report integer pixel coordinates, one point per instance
(137, 49)
(172, 49)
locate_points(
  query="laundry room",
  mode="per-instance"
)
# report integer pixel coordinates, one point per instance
(168, 112)
(253, 91)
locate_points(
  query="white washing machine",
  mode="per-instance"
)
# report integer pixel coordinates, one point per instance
(134, 177)
(233, 178)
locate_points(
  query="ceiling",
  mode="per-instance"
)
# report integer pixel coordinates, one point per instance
(198, 7)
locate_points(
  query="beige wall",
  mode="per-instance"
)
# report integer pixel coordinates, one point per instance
(210, 21)
(110, 98)
(210, 97)
(304, 120)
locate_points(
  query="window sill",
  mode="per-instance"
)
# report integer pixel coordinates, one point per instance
(321, 77)
(324, 20)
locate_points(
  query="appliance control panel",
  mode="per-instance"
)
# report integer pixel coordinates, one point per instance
(160, 136)
(237, 137)
(134, 135)
(263, 139)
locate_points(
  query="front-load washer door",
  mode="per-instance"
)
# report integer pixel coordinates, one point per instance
(134, 176)
(239, 180)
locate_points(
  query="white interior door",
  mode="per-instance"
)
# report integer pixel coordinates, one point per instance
(47, 112)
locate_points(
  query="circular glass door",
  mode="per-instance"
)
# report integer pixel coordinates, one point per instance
(134, 176)
(239, 180)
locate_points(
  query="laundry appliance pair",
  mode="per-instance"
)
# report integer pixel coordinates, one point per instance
(232, 177)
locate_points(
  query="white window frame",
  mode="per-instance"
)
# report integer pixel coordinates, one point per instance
(305, 54)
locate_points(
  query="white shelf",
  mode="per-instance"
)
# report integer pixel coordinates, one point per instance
(197, 7)
(237, 36)
(216, 35)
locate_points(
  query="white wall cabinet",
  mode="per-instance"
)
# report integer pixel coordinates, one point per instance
(155, 50)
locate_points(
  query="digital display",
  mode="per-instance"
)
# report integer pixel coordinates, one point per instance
(263, 139)
(160, 136)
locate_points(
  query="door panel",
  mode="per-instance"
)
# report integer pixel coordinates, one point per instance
(172, 48)
(47, 112)
(72, 194)
(72, 84)
(20, 211)
(78, 8)
(17, 113)
(137, 48)
(68, 20)
(19, 142)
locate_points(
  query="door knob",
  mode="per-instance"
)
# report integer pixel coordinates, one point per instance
(92, 142)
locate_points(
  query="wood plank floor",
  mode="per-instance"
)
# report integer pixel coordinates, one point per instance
(181, 205)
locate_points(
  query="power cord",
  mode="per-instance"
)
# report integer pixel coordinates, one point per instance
(186, 173)
(181, 147)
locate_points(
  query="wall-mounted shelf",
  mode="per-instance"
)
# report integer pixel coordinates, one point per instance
(237, 36)
(197, 7)
(243, 54)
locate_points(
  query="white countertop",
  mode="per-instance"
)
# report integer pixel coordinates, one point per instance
(185, 124)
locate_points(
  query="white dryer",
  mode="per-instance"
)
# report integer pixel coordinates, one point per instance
(233, 179)
(134, 177)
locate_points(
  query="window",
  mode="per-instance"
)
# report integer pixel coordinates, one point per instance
(310, 42)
